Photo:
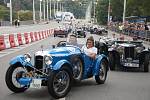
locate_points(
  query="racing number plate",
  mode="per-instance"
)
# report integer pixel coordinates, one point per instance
(36, 83)
(131, 65)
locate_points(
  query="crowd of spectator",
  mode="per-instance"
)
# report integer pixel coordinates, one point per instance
(133, 29)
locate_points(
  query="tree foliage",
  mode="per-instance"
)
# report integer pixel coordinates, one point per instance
(101, 11)
(133, 8)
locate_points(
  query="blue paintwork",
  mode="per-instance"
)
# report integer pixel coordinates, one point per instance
(63, 55)
(25, 81)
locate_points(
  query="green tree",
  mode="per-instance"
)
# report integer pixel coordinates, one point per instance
(4, 13)
(102, 11)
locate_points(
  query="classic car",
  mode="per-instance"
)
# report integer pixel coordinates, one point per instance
(61, 31)
(98, 30)
(80, 33)
(55, 68)
(126, 55)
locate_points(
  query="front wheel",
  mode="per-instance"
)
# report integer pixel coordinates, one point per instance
(100, 79)
(12, 76)
(146, 63)
(59, 83)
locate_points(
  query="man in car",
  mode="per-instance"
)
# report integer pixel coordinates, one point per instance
(72, 40)
(89, 48)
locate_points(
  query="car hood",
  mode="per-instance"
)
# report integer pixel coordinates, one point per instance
(60, 51)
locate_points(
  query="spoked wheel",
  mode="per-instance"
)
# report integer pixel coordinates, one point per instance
(12, 76)
(100, 79)
(59, 83)
(77, 69)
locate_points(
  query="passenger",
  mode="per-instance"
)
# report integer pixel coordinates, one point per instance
(89, 48)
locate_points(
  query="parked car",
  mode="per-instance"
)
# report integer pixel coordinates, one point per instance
(129, 55)
(61, 31)
(56, 68)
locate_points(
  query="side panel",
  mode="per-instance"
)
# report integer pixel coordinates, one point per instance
(97, 64)
(60, 63)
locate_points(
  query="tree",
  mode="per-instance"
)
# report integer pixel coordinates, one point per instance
(102, 11)
(4, 13)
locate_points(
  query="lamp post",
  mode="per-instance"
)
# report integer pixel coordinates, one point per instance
(47, 11)
(54, 8)
(44, 8)
(124, 11)
(33, 12)
(108, 20)
(50, 6)
(40, 10)
(57, 5)
(10, 5)
(60, 6)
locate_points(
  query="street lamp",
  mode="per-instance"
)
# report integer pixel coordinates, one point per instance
(108, 20)
(54, 8)
(57, 5)
(124, 11)
(50, 6)
(10, 7)
(33, 12)
(47, 11)
(40, 10)
(44, 8)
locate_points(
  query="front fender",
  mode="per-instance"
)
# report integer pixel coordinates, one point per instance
(60, 63)
(20, 59)
(98, 63)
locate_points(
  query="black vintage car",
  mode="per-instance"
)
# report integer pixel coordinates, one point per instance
(129, 55)
(80, 33)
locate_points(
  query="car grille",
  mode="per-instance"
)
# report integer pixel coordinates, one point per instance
(129, 52)
(39, 62)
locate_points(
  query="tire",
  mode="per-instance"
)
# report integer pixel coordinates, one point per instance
(52, 82)
(112, 61)
(9, 82)
(77, 68)
(146, 63)
(101, 78)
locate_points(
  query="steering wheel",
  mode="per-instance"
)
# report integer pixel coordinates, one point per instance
(62, 44)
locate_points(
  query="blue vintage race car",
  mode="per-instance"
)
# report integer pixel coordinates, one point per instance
(57, 69)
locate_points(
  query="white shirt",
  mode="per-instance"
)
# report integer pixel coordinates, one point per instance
(88, 51)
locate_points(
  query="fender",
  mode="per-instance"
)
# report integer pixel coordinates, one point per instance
(97, 64)
(20, 59)
(60, 63)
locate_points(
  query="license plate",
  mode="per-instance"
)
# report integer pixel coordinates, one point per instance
(131, 65)
(36, 83)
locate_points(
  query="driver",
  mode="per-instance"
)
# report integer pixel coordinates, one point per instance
(72, 40)
(89, 48)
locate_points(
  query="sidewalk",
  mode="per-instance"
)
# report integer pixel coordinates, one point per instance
(27, 28)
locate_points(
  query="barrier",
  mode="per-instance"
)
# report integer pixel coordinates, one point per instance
(23, 38)
(16, 40)
(40, 36)
(2, 43)
(19, 38)
(29, 37)
(32, 36)
(12, 40)
(35, 35)
(6, 40)
(26, 38)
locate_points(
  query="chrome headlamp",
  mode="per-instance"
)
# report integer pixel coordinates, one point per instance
(27, 57)
(48, 59)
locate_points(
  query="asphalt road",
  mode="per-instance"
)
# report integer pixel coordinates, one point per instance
(118, 86)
